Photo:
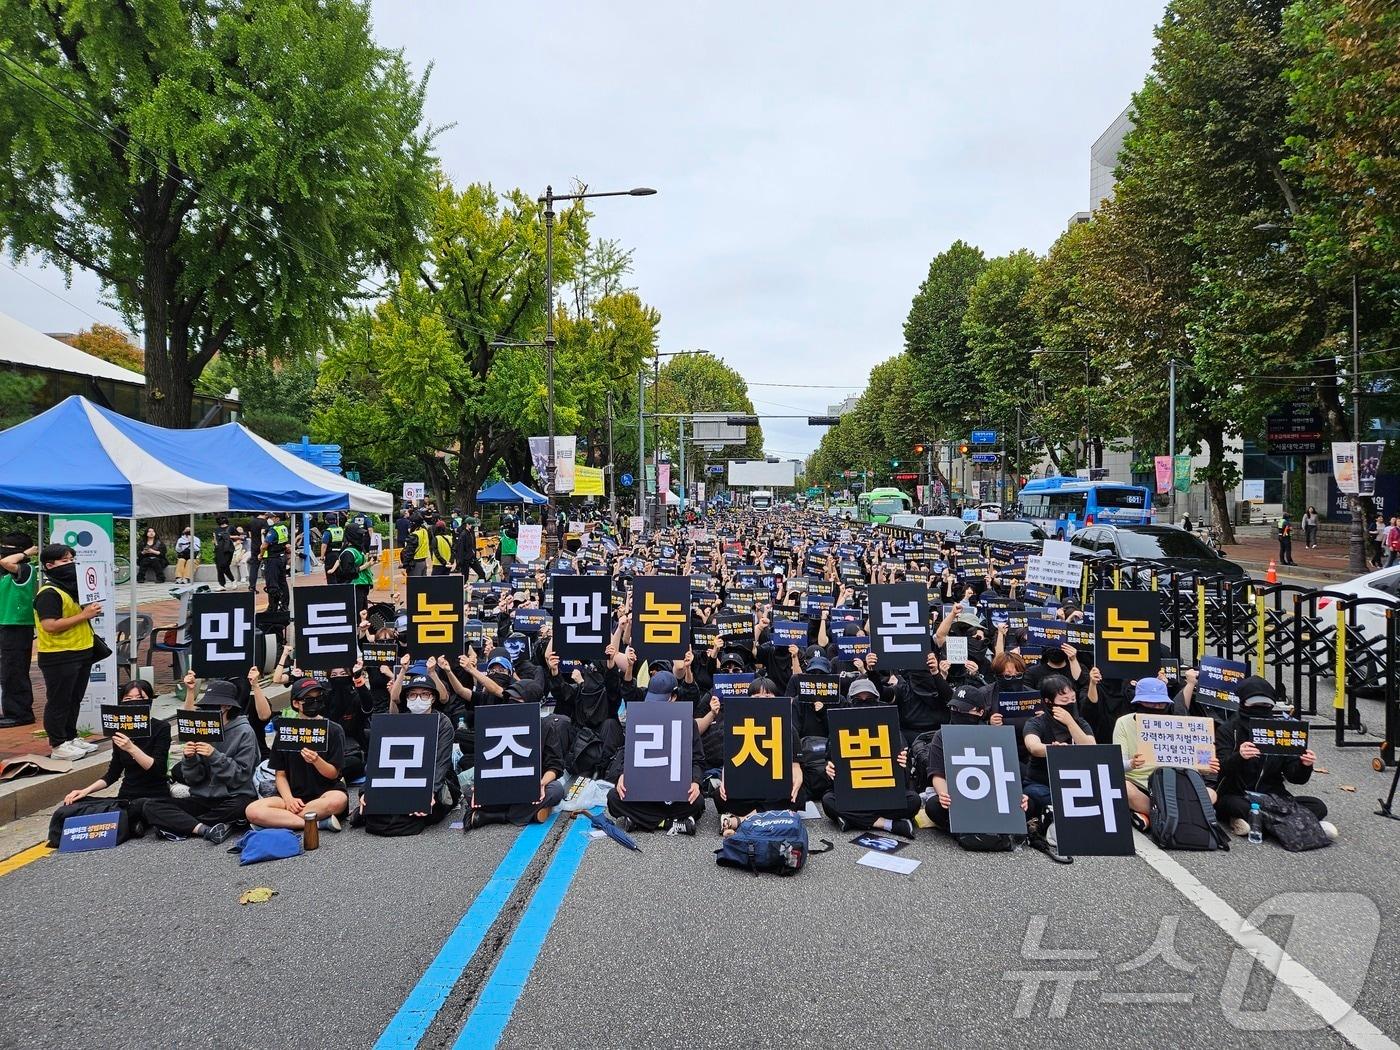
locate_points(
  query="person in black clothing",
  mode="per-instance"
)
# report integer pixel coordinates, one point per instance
(677, 818)
(1285, 542)
(734, 811)
(897, 820)
(140, 766)
(275, 539)
(151, 558)
(223, 550)
(256, 527)
(1245, 770)
(307, 782)
(1058, 726)
(551, 772)
(464, 556)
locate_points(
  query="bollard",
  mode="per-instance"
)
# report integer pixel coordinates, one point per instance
(1339, 698)
(1259, 633)
(1200, 621)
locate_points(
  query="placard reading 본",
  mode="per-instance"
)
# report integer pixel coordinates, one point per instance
(1176, 740)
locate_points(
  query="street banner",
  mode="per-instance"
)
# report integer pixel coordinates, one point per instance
(539, 459)
(1163, 465)
(565, 447)
(1127, 633)
(293, 734)
(663, 482)
(582, 616)
(1182, 479)
(132, 719)
(588, 481)
(1279, 736)
(1344, 467)
(863, 745)
(401, 764)
(507, 754)
(657, 763)
(1091, 801)
(193, 726)
(1215, 685)
(732, 686)
(222, 640)
(528, 543)
(1176, 740)
(325, 628)
(899, 625)
(661, 617)
(984, 780)
(757, 758)
(435, 612)
(1368, 466)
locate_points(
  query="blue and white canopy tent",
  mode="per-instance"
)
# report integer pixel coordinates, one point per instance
(80, 458)
(510, 492)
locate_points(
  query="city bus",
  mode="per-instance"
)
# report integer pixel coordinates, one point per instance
(877, 505)
(1073, 503)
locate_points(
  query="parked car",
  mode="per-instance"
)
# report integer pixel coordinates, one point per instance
(943, 523)
(1169, 546)
(1011, 530)
(1370, 619)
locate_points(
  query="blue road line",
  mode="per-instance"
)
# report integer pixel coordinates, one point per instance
(487, 1022)
(418, 1010)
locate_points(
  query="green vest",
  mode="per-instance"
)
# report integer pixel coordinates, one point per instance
(17, 599)
(366, 574)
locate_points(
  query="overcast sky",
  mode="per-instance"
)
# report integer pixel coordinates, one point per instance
(810, 158)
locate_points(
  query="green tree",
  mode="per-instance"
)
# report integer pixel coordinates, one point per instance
(1002, 334)
(933, 337)
(275, 397)
(231, 171)
(701, 382)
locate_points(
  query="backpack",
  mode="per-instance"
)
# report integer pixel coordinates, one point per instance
(1182, 815)
(585, 756)
(346, 567)
(262, 844)
(775, 841)
(1293, 826)
(988, 842)
(918, 759)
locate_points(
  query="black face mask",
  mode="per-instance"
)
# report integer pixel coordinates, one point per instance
(312, 708)
(66, 573)
(964, 718)
(500, 678)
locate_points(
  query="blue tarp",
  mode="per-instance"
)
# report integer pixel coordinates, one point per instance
(79, 458)
(509, 492)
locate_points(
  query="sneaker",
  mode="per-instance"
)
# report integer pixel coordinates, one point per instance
(1240, 827)
(169, 836)
(902, 828)
(83, 745)
(217, 833)
(1330, 828)
(626, 823)
(67, 752)
(329, 824)
(684, 826)
(842, 825)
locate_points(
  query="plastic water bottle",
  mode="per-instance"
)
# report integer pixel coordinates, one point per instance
(270, 732)
(1256, 824)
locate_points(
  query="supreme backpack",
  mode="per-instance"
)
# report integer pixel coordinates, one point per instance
(775, 841)
(1182, 815)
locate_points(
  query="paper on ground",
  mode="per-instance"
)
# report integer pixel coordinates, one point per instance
(889, 862)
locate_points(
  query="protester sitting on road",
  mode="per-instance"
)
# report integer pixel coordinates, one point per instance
(551, 771)
(138, 764)
(1245, 770)
(219, 776)
(1059, 726)
(734, 810)
(421, 697)
(307, 782)
(898, 820)
(675, 818)
(1149, 698)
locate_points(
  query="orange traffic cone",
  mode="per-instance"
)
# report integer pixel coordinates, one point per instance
(1272, 575)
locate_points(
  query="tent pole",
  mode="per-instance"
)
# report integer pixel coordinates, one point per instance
(133, 657)
(292, 576)
(196, 560)
(393, 561)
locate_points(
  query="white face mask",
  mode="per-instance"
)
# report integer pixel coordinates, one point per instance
(420, 705)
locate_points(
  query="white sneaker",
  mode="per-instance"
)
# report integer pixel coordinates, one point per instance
(66, 752)
(1240, 827)
(82, 745)
(1330, 828)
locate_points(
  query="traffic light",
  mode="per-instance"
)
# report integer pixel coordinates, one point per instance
(920, 449)
(823, 421)
(962, 448)
(894, 463)
(741, 421)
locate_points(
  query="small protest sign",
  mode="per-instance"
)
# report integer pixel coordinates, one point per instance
(955, 646)
(132, 719)
(1018, 705)
(852, 646)
(1279, 736)
(818, 688)
(1215, 685)
(789, 632)
(1176, 740)
(529, 619)
(89, 831)
(732, 686)
(203, 726)
(293, 734)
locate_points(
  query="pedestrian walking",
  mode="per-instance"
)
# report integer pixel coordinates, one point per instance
(223, 551)
(1285, 542)
(1310, 521)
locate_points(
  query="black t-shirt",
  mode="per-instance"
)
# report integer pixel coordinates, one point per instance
(48, 605)
(137, 782)
(1049, 731)
(306, 783)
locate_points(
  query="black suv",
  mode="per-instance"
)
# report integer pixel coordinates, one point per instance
(1166, 545)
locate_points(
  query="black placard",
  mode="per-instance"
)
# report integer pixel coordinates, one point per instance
(1215, 686)
(507, 754)
(1016, 706)
(789, 632)
(899, 633)
(1279, 736)
(199, 725)
(983, 773)
(818, 688)
(657, 762)
(731, 686)
(222, 640)
(293, 734)
(1127, 638)
(582, 618)
(435, 614)
(661, 617)
(864, 745)
(401, 763)
(1091, 801)
(757, 759)
(132, 719)
(325, 628)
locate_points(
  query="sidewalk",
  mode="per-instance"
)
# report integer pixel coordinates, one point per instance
(1327, 562)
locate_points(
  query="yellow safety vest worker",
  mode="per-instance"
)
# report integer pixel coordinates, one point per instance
(76, 639)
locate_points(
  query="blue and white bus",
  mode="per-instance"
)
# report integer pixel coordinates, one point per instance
(1070, 504)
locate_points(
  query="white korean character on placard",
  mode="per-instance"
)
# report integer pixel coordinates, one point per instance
(1107, 796)
(400, 763)
(215, 627)
(327, 620)
(975, 781)
(652, 750)
(901, 620)
(581, 616)
(510, 747)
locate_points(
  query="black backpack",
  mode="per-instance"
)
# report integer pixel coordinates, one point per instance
(918, 758)
(1182, 815)
(1294, 827)
(345, 569)
(586, 756)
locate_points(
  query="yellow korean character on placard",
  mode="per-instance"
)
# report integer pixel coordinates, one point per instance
(759, 739)
(435, 621)
(869, 754)
(1129, 641)
(661, 621)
